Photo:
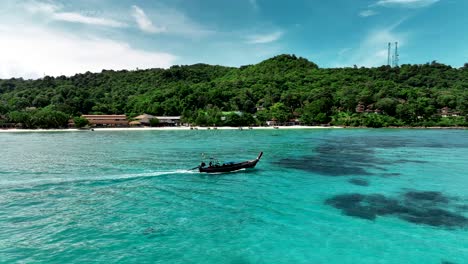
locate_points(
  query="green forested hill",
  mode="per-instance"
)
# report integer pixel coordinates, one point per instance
(281, 88)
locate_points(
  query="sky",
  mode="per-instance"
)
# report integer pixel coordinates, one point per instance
(54, 37)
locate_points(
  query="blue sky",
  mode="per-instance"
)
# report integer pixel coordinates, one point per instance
(52, 37)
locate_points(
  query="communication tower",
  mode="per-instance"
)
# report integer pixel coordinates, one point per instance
(388, 54)
(396, 57)
(393, 59)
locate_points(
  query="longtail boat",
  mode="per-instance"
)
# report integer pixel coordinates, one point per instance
(229, 166)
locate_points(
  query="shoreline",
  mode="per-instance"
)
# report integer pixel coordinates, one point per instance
(183, 128)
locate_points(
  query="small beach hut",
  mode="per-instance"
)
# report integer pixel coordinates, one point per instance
(144, 119)
(135, 123)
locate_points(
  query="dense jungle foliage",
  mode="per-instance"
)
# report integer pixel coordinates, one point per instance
(281, 88)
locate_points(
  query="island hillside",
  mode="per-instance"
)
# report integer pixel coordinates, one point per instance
(281, 89)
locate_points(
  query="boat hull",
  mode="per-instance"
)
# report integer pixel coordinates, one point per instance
(231, 167)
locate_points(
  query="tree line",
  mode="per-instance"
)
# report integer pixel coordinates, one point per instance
(282, 88)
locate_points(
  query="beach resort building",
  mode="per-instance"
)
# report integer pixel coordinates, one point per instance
(447, 112)
(143, 119)
(169, 120)
(272, 122)
(107, 120)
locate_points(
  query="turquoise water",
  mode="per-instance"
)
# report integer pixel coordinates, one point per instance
(317, 196)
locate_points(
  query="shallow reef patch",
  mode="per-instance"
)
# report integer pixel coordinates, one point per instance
(419, 207)
(359, 182)
(345, 157)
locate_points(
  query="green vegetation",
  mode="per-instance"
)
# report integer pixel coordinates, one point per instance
(80, 122)
(154, 122)
(39, 118)
(281, 88)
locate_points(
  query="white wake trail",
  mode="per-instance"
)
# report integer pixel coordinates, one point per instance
(34, 182)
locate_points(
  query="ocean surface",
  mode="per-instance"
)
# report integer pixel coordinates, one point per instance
(317, 196)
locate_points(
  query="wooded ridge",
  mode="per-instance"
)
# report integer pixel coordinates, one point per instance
(282, 88)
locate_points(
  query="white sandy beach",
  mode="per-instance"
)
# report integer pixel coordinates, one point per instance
(163, 129)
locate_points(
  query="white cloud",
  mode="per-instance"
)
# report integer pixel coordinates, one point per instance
(78, 18)
(372, 50)
(40, 7)
(264, 38)
(144, 23)
(170, 21)
(34, 51)
(367, 13)
(254, 4)
(177, 23)
(343, 51)
(406, 3)
(51, 11)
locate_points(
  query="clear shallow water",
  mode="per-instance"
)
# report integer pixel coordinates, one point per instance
(317, 196)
